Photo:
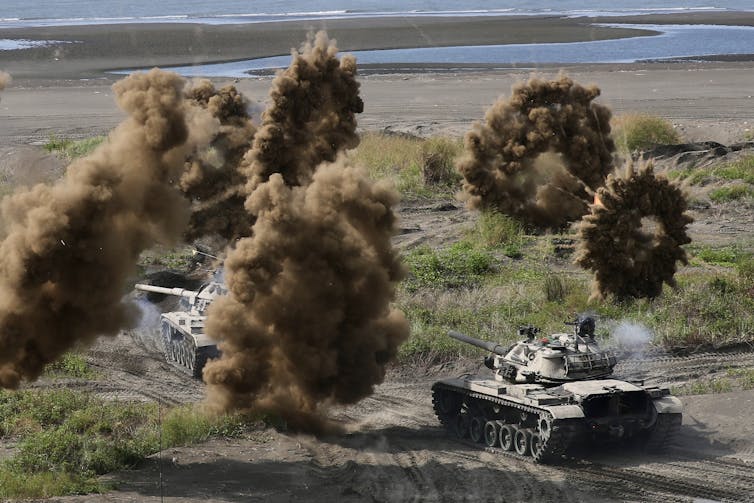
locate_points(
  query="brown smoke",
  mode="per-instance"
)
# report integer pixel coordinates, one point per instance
(5, 79)
(213, 180)
(504, 168)
(70, 247)
(311, 118)
(629, 260)
(308, 322)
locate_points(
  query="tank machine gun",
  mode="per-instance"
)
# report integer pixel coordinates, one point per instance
(185, 344)
(549, 394)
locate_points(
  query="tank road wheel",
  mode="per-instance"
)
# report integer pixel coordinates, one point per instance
(521, 441)
(461, 425)
(537, 446)
(476, 429)
(491, 435)
(447, 406)
(506, 437)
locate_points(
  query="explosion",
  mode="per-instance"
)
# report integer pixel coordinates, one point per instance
(633, 240)
(540, 154)
(69, 248)
(213, 180)
(308, 321)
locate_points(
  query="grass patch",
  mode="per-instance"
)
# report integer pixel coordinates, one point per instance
(73, 149)
(494, 229)
(708, 307)
(633, 132)
(733, 192)
(740, 170)
(459, 265)
(66, 439)
(72, 365)
(726, 256)
(419, 169)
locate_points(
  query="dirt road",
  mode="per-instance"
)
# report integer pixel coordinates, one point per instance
(396, 451)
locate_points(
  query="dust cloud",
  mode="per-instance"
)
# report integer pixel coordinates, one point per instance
(308, 321)
(540, 154)
(632, 239)
(68, 248)
(5, 79)
(213, 180)
(311, 118)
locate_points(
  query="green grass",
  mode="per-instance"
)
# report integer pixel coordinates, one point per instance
(725, 256)
(73, 149)
(66, 439)
(72, 365)
(730, 193)
(740, 170)
(710, 307)
(458, 265)
(419, 169)
(635, 132)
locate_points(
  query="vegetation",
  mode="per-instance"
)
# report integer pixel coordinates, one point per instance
(740, 170)
(636, 132)
(72, 365)
(72, 149)
(732, 193)
(65, 438)
(418, 168)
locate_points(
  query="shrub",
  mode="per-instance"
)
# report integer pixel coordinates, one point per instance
(732, 193)
(438, 161)
(494, 229)
(634, 132)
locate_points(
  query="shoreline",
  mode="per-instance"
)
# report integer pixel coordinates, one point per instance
(91, 51)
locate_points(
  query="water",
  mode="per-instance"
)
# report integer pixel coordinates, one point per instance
(674, 41)
(15, 13)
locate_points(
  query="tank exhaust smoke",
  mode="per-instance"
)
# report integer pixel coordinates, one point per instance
(540, 154)
(308, 321)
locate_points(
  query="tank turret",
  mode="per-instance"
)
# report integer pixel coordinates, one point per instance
(549, 394)
(555, 359)
(184, 342)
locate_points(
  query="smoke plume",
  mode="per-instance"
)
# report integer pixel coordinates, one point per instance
(5, 79)
(69, 248)
(213, 180)
(312, 116)
(540, 153)
(633, 237)
(308, 320)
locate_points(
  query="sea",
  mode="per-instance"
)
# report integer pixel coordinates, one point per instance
(23, 13)
(669, 42)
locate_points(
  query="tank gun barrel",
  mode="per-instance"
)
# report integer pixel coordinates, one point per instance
(178, 292)
(489, 346)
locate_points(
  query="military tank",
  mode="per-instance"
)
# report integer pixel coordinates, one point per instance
(185, 344)
(551, 394)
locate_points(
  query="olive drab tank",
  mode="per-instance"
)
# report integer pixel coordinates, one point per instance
(550, 394)
(183, 339)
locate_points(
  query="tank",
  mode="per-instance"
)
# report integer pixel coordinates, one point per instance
(551, 395)
(184, 342)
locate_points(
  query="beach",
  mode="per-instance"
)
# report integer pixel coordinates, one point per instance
(64, 90)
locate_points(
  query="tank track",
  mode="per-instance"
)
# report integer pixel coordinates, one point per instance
(185, 356)
(661, 437)
(546, 442)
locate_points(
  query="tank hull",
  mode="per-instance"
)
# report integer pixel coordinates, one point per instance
(184, 343)
(544, 423)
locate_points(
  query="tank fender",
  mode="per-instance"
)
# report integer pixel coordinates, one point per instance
(668, 405)
(565, 411)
